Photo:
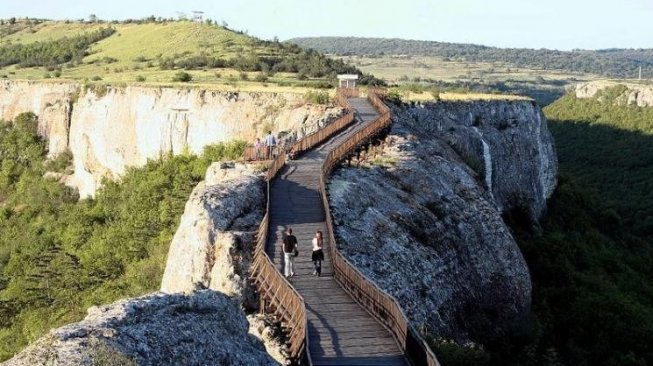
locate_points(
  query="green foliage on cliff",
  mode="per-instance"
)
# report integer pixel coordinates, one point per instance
(58, 256)
(607, 146)
(592, 262)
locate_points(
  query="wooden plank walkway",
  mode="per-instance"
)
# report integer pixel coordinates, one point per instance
(340, 332)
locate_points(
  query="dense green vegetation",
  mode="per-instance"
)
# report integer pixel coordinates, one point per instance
(592, 264)
(51, 53)
(58, 256)
(621, 63)
(592, 261)
(607, 146)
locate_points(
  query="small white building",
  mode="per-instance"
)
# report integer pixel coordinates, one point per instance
(349, 80)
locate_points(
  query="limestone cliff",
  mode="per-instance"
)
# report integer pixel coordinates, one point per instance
(426, 224)
(212, 244)
(159, 329)
(640, 95)
(108, 128)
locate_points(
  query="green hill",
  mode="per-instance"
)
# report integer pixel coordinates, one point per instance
(615, 63)
(154, 52)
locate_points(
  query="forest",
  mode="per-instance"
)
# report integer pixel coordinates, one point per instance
(51, 53)
(59, 256)
(591, 261)
(614, 63)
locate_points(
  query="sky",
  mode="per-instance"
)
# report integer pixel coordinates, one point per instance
(553, 24)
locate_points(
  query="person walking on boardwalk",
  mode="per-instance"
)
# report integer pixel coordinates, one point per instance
(318, 255)
(270, 145)
(257, 149)
(289, 252)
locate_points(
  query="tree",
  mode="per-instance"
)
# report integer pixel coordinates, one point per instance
(92, 18)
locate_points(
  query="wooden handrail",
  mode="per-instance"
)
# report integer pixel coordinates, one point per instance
(383, 306)
(277, 294)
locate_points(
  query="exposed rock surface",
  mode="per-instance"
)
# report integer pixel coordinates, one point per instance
(506, 142)
(633, 94)
(109, 129)
(206, 328)
(427, 227)
(211, 246)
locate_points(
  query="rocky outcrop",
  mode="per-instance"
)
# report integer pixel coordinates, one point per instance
(108, 129)
(201, 329)
(426, 224)
(506, 142)
(212, 244)
(640, 95)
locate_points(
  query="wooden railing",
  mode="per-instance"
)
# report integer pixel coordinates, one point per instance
(277, 294)
(377, 302)
(310, 141)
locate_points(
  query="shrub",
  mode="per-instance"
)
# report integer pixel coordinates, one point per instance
(140, 78)
(182, 76)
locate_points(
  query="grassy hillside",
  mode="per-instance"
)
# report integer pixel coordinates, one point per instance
(540, 74)
(155, 52)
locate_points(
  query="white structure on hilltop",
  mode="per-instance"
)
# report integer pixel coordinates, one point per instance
(198, 16)
(349, 80)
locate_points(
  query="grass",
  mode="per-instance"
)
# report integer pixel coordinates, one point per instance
(397, 68)
(49, 30)
(132, 56)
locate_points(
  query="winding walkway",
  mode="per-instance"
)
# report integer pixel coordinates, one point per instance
(340, 332)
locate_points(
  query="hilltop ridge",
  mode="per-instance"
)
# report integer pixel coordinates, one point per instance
(155, 51)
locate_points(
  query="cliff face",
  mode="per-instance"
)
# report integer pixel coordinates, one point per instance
(109, 129)
(632, 94)
(199, 329)
(506, 143)
(211, 246)
(426, 223)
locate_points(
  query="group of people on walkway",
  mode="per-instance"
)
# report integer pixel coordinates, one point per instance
(291, 250)
(266, 149)
(270, 147)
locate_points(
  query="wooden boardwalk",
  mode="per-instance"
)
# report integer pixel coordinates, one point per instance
(340, 332)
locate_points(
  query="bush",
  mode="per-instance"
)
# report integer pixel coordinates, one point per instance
(317, 97)
(182, 76)
(140, 78)
(96, 78)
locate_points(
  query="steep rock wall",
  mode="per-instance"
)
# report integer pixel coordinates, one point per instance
(212, 244)
(108, 129)
(507, 143)
(426, 224)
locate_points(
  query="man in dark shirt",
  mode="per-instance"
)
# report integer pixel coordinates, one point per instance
(289, 247)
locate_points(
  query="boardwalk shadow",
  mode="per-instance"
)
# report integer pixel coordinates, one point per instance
(316, 347)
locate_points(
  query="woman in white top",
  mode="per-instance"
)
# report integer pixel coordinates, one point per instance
(318, 255)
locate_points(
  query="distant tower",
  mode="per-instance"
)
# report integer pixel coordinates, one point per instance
(197, 16)
(640, 73)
